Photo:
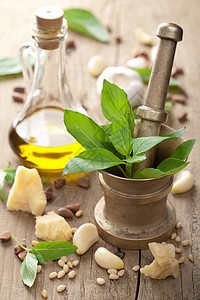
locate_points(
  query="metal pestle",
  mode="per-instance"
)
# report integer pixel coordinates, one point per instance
(153, 113)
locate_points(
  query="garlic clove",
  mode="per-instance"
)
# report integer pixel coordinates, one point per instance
(143, 37)
(137, 63)
(127, 79)
(85, 236)
(96, 65)
(107, 260)
(183, 183)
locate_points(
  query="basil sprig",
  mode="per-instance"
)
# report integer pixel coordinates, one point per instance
(8, 175)
(41, 252)
(115, 144)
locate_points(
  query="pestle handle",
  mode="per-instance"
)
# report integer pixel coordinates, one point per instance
(152, 113)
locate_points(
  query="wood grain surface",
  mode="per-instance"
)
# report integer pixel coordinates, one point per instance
(123, 17)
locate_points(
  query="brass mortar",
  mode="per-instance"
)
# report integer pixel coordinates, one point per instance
(135, 212)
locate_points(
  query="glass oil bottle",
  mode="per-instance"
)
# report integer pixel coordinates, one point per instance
(38, 135)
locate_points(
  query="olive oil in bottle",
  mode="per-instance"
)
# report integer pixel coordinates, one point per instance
(38, 134)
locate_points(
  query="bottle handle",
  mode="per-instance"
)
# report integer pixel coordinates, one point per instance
(27, 58)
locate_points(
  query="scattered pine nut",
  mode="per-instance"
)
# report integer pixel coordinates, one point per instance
(75, 263)
(177, 239)
(61, 274)
(61, 263)
(74, 230)
(61, 288)
(64, 258)
(181, 260)
(53, 275)
(178, 250)
(72, 274)
(191, 258)
(185, 243)
(70, 264)
(173, 236)
(136, 268)
(179, 225)
(100, 281)
(34, 242)
(112, 271)
(121, 273)
(44, 294)
(39, 268)
(79, 213)
(113, 276)
(66, 268)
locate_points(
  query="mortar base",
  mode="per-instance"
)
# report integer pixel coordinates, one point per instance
(133, 237)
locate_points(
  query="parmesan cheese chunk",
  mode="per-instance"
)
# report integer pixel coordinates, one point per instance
(52, 227)
(27, 192)
(164, 263)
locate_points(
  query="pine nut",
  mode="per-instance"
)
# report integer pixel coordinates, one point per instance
(173, 236)
(179, 225)
(177, 239)
(79, 213)
(75, 263)
(181, 260)
(44, 294)
(70, 264)
(61, 274)
(34, 242)
(113, 276)
(61, 263)
(112, 271)
(61, 288)
(64, 258)
(39, 268)
(66, 268)
(74, 229)
(121, 273)
(72, 274)
(136, 268)
(100, 281)
(178, 250)
(185, 243)
(191, 258)
(53, 275)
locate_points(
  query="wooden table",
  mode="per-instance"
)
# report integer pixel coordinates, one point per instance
(123, 17)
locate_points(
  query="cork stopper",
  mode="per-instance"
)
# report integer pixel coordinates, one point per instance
(49, 18)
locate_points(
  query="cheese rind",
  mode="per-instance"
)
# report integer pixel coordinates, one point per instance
(52, 227)
(164, 263)
(27, 192)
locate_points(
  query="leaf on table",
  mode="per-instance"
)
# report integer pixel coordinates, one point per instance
(52, 250)
(183, 150)
(89, 134)
(28, 269)
(2, 178)
(171, 166)
(11, 66)
(84, 22)
(91, 160)
(147, 173)
(121, 138)
(115, 105)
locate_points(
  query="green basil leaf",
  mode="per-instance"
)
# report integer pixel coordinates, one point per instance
(136, 159)
(107, 128)
(176, 133)
(91, 160)
(171, 165)
(121, 138)
(168, 105)
(89, 134)
(183, 150)
(147, 173)
(10, 66)
(10, 176)
(53, 250)
(2, 177)
(115, 105)
(28, 269)
(86, 23)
